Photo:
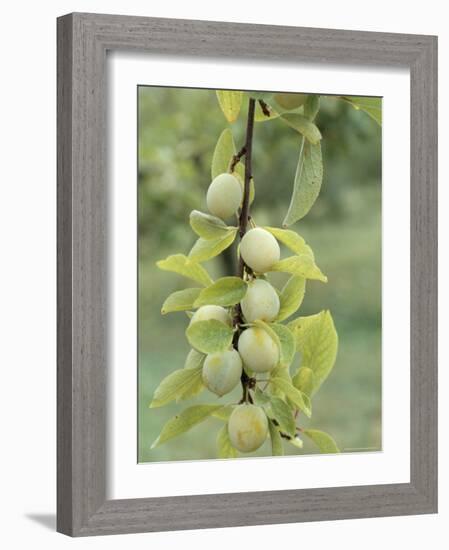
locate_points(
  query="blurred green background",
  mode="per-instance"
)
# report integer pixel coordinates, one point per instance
(178, 130)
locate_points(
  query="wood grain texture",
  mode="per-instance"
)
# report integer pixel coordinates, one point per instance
(83, 40)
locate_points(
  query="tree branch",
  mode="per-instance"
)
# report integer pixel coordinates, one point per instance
(243, 224)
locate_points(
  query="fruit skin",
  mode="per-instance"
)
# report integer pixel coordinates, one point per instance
(261, 301)
(222, 371)
(259, 249)
(224, 196)
(290, 101)
(247, 427)
(205, 313)
(258, 350)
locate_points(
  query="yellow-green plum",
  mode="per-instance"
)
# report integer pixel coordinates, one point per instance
(258, 350)
(290, 101)
(222, 371)
(206, 313)
(247, 427)
(259, 250)
(261, 301)
(224, 196)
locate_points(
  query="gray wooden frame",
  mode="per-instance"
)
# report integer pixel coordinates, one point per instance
(83, 40)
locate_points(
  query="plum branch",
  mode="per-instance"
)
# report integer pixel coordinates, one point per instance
(243, 224)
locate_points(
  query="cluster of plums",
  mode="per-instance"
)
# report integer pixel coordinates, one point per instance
(256, 350)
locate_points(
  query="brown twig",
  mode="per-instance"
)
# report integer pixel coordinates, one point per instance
(264, 107)
(246, 150)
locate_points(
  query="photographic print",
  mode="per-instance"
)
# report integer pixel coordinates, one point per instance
(259, 274)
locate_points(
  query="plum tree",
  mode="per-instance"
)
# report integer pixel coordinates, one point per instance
(224, 196)
(247, 427)
(261, 301)
(259, 250)
(258, 350)
(222, 371)
(208, 312)
(238, 329)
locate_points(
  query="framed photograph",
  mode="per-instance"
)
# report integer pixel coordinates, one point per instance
(247, 274)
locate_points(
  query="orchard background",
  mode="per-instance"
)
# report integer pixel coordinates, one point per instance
(178, 130)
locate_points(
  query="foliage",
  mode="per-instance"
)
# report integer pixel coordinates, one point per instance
(285, 395)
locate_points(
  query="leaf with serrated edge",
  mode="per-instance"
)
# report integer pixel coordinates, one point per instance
(208, 227)
(230, 102)
(291, 296)
(286, 341)
(180, 300)
(307, 183)
(290, 238)
(184, 421)
(226, 291)
(317, 340)
(302, 265)
(209, 336)
(223, 153)
(224, 446)
(277, 448)
(303, 125)
(205, 249)
(292, 393)
(324, 442)
(176, 385)
(283, 414)
(178, 263)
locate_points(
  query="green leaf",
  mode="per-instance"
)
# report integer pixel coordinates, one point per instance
(224, 413)
(180, 300)
(295, 396)
(317, 340)
(230, 102)
(291, 296)
(324, 442)
(208, 227)
(277, 448)
(302, 265)
(184, 421)
(372, 106)
(290, 238)
(223, 153)
(178, 263)
(307, 184)
(224, 446)
(205, 249)
(177, 385)
(260, 116)
(283, 414)
(303, 125)
(303, 380)
(260, 398)
(287, 343)
(209, 336)
(312, 106)
(226, 291)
